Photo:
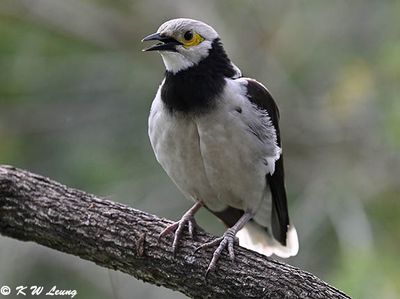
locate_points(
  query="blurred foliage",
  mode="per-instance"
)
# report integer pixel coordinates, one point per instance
(75, 92)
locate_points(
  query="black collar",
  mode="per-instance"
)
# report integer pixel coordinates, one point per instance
(194, 90)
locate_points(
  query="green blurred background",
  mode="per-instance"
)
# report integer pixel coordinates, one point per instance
(75, 91)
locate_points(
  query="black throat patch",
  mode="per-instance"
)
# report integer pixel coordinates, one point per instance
(194, 90)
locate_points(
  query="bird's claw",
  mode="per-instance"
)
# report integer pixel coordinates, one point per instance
(178, 228)
(227, 240)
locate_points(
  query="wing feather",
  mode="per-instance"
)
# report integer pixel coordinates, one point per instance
(261, 97)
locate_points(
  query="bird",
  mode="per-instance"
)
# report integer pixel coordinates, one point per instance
(216, 134)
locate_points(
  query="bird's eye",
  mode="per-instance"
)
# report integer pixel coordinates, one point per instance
(191, 39)
(188, 35)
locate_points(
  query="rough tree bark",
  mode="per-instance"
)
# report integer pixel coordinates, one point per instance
(35, 208)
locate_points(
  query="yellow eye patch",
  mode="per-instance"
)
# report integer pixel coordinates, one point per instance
(194, 41)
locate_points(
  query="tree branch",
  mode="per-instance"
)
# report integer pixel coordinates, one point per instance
(35, 208)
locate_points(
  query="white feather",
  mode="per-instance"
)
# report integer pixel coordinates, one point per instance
(255, 238)
(215, 157)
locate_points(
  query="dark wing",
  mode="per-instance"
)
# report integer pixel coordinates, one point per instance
(261, 97)
(229, 216)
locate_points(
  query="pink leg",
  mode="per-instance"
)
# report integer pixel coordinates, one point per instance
(227, 240)
(177, 227)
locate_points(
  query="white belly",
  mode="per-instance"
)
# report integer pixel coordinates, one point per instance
(175, 141)
(233, 164)
(212, 157)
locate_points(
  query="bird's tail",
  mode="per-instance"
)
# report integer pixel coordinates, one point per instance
(257, 238)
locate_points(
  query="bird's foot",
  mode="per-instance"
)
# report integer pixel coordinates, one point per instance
(227, 240)
(177, 229)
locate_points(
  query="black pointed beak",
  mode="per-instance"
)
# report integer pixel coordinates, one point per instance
(166, 43)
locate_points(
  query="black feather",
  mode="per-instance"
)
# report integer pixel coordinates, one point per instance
(229, 216)
(195, 90)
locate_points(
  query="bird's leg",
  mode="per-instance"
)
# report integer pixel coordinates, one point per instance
(227, 240)
(177, 227)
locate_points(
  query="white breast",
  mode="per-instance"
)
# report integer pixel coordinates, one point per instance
(215, 157)
(175, 141)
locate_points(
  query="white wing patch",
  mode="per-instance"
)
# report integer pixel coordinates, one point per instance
(266, 133)
(259, 124)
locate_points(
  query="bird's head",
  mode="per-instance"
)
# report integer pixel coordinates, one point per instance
(182, 43)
